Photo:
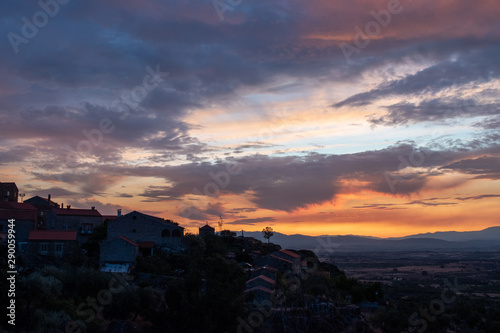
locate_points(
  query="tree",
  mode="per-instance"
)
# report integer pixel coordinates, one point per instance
(228, 233)
(267, 232)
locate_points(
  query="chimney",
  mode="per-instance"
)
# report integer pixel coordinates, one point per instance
(49, 197)
(119, 212)
(68, 206)
(93, 207)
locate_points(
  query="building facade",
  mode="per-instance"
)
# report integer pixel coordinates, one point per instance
(9, 192)
(83, 221)
(136, 234)
(52, 243)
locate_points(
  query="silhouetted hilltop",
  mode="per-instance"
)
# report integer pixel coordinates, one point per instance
(483, 240)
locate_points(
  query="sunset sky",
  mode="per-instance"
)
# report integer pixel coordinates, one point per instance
(317, 117)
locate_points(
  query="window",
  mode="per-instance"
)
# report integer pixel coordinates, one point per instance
(44, 248)
(176, 233)
(22, 246)
(59, 248)
(67, 225)
(1, 227)
(134, 230)
(134, 217)
(87, 228)
(165, 233)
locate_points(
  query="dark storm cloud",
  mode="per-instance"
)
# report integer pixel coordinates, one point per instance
(93, 52)
(253, 221)
(434, 110)
(159, 193)
(479, 197)
(487, 167)
(391, 206)
(427, 203)
(492, 123)
(292, 182)
(477, 65)
(66, 78)
(386, 206)
(15, 154)
(56, 193)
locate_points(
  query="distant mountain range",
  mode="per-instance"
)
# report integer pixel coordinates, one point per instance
(467, 241)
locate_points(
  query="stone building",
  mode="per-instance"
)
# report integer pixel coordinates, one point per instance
(118, 255)
(206, 230)
(9, 192)
(44, 206)
(136, 234)
(282, 260)
(83, 221)
(52, 243)
(25, 216)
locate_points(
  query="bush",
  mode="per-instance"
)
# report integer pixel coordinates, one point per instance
(49, 321)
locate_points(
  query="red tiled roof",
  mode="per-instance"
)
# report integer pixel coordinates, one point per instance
(128, 240)
(52, 235)
(262, 277)
(77, 212)
(290, 253)
(266, 267)
(16, 205)
(283, 259)
(269, 291)
(109, 217)
(15, 214)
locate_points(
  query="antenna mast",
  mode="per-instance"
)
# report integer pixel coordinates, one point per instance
(221, 223)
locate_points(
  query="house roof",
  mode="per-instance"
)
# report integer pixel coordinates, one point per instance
(77, 212)
(262, 277)
(207, 227)
(264, 289)
(128, 240)
(282, 259)
(290, 253)
(16, 205)
(6, 214)
(37, 197)
(52, 235)
(268, 268)
(148, 217)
